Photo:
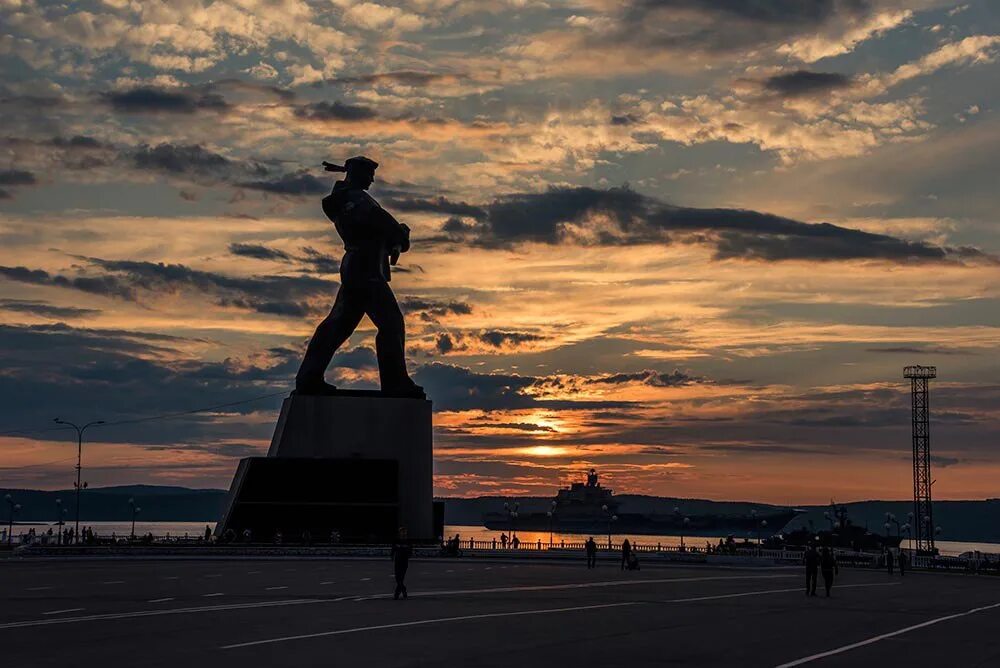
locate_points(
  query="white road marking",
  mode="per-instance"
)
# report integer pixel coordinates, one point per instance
(37, 588)
(172, 577)
(156, 613)
(62, 612)
(160, 600)
(253, 572)
(114, 582)
(213, 575)
(365, 579)
(770, 591)
(327, 583)
(891, 634)
(585, 585)
(439, 620)
(275, 588)
(453, 592)
(218, 593)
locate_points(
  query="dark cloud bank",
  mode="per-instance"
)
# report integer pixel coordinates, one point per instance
(621, 216)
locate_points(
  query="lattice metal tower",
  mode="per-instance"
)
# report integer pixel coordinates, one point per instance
(923, 516)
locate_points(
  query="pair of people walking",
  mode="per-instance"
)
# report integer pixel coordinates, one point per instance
(820, 562)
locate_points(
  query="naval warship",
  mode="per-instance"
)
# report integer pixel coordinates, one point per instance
(589, 507)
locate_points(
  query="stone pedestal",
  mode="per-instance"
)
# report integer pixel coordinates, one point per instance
(356, 433)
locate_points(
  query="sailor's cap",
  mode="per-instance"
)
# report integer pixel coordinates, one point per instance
(362, 163)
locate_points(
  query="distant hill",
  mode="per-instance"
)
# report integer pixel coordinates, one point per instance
(109, 504)
(959, 520)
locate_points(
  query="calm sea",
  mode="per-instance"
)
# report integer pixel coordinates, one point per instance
(195, 529)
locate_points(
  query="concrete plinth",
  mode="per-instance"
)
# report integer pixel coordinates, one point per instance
(343, 431)
(367, 426)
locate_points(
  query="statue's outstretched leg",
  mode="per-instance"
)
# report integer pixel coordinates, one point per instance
(343, 319)
(390, 342)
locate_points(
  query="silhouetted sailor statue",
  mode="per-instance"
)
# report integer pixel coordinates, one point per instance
(373, 240)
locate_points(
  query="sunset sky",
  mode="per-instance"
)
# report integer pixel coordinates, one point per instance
(691, 243)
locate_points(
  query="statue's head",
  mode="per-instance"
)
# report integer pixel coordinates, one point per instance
(361, 171)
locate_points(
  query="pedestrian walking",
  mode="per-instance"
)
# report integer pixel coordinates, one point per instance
(828, 565)
(626, 553)
(812, 566)
(903, 559)
(400, 554)
(591, 547)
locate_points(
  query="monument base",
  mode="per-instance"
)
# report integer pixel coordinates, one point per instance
(312, 500)
(356, 463)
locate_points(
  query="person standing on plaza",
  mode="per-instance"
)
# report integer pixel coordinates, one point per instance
(591, 547)
(890, 560)
(812, 566)
(828, 565)
(400, 554)
(626, 553)
(902, 563)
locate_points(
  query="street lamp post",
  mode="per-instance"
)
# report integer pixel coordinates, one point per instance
(512, 515)
(762, 525)
(135, 511)
(611, 518)
(59, 519)
(14, 509)
(683, 521)
(890, 518)
(552, 514)
(79, 467)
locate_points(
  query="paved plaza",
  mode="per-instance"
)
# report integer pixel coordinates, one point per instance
(476, 612)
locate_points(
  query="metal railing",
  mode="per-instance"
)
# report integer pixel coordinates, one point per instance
(989, 564)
